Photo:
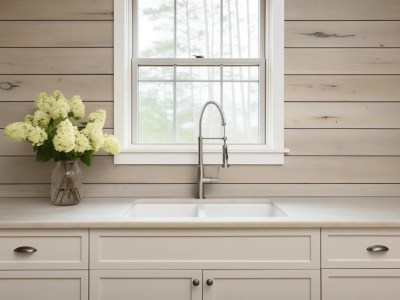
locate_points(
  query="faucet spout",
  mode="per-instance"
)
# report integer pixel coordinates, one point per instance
(201, 177)
(223, 121)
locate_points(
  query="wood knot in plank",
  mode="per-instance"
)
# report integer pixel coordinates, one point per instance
(327, 117)
(326, 35)
(6, 86)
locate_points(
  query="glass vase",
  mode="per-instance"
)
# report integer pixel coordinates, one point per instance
(66, 183)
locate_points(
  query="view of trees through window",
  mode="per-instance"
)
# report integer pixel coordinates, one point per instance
(171, 94)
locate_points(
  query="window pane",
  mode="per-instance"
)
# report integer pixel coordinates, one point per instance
(156, 112)
(241, 73)
(202, 28)
(198, 28)
(156, 73)
(156, 28)
(169, 110)
(241, 28)
(198, 73)
(241, 106)
(190, 97)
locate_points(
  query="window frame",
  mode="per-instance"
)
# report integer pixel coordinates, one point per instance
(272, 102)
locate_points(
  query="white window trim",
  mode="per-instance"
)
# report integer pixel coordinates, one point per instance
(271, 153)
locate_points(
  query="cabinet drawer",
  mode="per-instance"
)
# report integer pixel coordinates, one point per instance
(44, 285)
(205, 248)
(348, 248)
(43, 249)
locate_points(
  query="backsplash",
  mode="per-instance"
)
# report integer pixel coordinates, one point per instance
(341, 100)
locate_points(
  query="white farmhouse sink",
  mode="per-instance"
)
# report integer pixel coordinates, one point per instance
(250, 210)
(163, 210)
(204, 209)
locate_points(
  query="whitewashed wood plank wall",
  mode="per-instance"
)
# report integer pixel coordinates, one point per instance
(342, 100)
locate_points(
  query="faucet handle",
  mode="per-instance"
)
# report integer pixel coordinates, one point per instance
(212, 179)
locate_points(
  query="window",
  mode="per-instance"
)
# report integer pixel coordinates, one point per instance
(172, 56)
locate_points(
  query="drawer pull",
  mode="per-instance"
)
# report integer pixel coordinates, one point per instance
(25, 249)
(196, 282)
(378, 248)
(209, 282)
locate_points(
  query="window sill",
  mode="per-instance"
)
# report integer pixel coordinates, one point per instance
(189, 156)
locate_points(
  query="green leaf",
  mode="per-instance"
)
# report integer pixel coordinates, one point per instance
(43, 155)
(87, 158)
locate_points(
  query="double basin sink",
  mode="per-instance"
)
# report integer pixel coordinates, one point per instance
(208, 209)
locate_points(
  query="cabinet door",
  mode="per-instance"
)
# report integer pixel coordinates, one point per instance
(44, 285)
(363, 284)
(261, 285)
(145, 285)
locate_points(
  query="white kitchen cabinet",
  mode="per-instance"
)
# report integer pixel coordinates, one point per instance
(44, 264)
(154, 264)
(360, 263)
(200, 264)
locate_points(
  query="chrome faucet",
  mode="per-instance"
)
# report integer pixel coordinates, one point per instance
(201, 176)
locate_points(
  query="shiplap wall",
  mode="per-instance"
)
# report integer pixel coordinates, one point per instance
(342, 93)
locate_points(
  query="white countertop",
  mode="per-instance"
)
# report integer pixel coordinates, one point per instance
(109, 213)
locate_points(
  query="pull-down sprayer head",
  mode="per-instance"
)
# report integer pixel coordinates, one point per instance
(223, 123)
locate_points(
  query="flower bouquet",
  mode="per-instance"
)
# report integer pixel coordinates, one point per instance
(56, 131)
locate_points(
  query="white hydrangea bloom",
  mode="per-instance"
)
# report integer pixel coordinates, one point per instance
(28, 119)
(36, 135)
(57, 95)
(64, 140)
(94, 132)
(44, 102)
(17, 131)
(59, 109)
(76, 130)
(82, 143)
(76, 107)
(41, 119)
(67, 137)
(111, 144)
(99, 116)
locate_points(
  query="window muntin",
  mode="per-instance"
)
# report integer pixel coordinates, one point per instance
(170, 86)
